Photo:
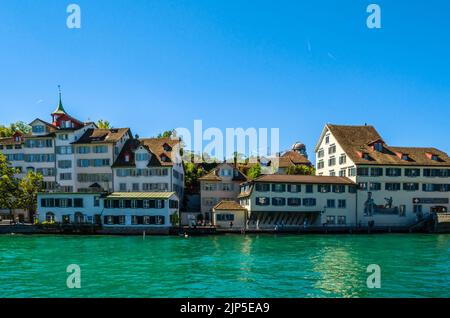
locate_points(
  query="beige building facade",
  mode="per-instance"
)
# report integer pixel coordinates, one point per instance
(229, 215)
(295, 201)
(222, 183)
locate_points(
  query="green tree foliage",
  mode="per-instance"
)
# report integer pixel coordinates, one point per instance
(29, 187)
(103, 124)
(192, 173)
(8, 131)
(9, 186)
(165, 134)
(18, 194)
(175, 219)
(301, 170)
(254, 171)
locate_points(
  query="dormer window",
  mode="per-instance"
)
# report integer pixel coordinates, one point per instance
(365, 156)
(378, 146)
(433, 157)
(225, 172)
(167, 147)
(164, 158)
(264, 162)
(405, 157)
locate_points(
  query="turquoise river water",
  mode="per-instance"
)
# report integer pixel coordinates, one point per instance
(226, 265)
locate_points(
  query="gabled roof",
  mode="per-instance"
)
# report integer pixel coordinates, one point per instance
(210, 176)
(358, 140)
(350, 137)
(213, 174)
(162, 148)
(292, 158)
(74, 120)
(228, 205)
(50, 126)
(155, 147)
(99, 136)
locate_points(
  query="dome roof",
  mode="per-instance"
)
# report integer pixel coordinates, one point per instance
(298, 146)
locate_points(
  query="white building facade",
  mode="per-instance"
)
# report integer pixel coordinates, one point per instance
(68, 208)
(66, 157)
(95, 152)
(150, 165)
(397, 186)
(115, 210)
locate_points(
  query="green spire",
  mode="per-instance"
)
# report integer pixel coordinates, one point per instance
(60, 108)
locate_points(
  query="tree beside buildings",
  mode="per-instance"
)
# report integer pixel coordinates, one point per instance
(301, 170)
(18, 193)
(9, 186)
(8, 131)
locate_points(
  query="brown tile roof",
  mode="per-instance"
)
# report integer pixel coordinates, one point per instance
(9, 141)
(212, 175)
(301, 179)
(52, 134)
(357, 140)
(96, 136)
(159, 148)
(288, 159)
(229, 205)
(162, 148)
(128, 149)
(291, 158)
(283, 178)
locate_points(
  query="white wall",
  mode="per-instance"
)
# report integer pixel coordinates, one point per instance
(401, 197)
(88, 208)
(94, 170)
(325, 171)
(73, 136)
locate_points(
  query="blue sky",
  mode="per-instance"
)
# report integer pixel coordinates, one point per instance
(154, 65)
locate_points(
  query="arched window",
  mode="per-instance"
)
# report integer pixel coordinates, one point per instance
(50, 217)
(79, 217)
